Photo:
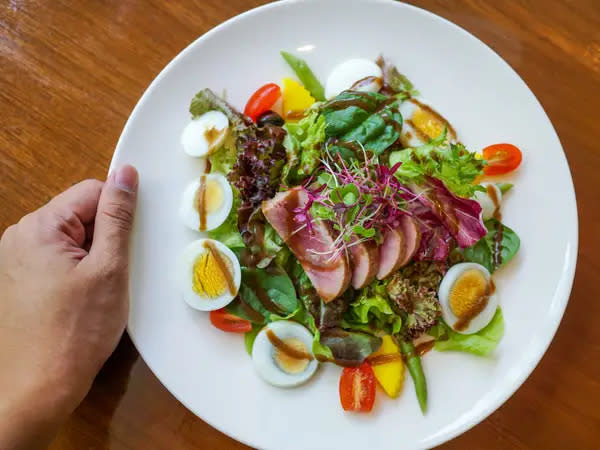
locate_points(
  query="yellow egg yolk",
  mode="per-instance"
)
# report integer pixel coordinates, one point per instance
(213, 196)
(427, 123)
(209, 196)
(208, 279)
(288, 363)
(467, 292)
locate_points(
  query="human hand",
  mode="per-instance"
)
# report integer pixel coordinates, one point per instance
(63, 303)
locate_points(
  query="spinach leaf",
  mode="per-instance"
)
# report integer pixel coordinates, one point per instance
(362, 119)
(343, 121)
(483, 251)
(349, 348)
(238, 307)
(325, 315)
(269, 291)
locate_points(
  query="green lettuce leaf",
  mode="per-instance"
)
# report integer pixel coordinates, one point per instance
(452, 163)
(224, 158)
(394, 81)
(303, 147)
(371, 312)
(206, 100)
(483, 251)
(504, 187)
(228, 232)
(481, 343)
(320, 351)
(250, 337)
(272, 242)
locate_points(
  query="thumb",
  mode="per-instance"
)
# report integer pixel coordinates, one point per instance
(114, 218)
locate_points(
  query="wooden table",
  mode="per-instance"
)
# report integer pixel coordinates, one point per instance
(71, 72)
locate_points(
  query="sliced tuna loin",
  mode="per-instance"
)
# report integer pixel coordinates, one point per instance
(391, 253)
(365, 260)
(412, 239)
(330, 276)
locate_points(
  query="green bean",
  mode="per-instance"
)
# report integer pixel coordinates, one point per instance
(306, 76)
(413, 362)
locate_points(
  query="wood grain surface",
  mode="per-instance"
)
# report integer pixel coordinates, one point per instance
(70, 74)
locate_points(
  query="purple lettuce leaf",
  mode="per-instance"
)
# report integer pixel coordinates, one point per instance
(460, 216)
(435, 238)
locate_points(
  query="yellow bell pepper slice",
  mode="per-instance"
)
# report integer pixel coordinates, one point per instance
(390, 376)
(296, 99)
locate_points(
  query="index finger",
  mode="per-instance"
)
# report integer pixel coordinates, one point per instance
(70, 211)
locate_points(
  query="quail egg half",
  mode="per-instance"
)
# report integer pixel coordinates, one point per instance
(282, 354)
(210, 275)
(467, 297)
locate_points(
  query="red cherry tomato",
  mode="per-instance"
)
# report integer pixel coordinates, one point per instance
(501, 158)
(228, 322)
(357, 388)
(262, 100)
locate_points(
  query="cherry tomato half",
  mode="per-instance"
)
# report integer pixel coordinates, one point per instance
(228, 322)
(262, 100)
(501, 158)
(357, 388)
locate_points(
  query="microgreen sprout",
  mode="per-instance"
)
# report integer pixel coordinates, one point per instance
(359, 198)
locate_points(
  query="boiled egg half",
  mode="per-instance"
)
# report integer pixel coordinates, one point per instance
(422, 123)
(210, 275)
(357, 74)
(206, 202)
(282, 354)
(205, 134)
(467, 297)
(489, 200)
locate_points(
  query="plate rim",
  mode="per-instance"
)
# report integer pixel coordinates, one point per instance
(563, 291)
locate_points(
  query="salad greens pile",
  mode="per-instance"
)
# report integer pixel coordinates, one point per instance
(347, 155)
(449, 162)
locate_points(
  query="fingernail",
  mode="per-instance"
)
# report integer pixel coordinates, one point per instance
(126, 178)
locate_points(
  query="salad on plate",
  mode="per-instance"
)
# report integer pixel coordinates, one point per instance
(345, 224)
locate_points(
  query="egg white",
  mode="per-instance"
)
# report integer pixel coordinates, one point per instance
(263, 354)
(484, 317)
(193, 138)
(190, 216)
(344, 75)
(487, 204)
(409, 136)
(186, 269)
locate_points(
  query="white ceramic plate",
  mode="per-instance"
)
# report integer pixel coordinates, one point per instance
(486, 101)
